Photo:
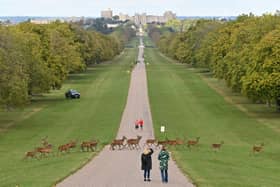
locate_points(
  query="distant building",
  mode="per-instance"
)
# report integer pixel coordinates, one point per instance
(42, 21)
(169, 15)
(73, 19)
(107, 14)
(124, 17)
(143, 19)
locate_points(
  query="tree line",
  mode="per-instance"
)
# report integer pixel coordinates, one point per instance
(35, 59)
(244, 52)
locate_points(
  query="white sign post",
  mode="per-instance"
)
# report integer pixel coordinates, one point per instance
(162, 129)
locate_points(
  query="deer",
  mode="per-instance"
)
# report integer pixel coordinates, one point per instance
(151, 142)
(64, 148)
(171, 142)
(217, 146)
(89, 145)
(45, 142)
(193, 142)
(72, 144)
(180, 142)
(134, 143)
(258, 148)
(162, 143)
(118, 142)
(44, 150)
(30, 154)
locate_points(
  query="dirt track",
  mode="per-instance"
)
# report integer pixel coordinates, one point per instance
(121, 168)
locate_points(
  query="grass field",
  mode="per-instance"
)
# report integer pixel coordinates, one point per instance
(182, 101)
(96, 115)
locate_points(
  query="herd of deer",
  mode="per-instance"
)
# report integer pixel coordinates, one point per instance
(47, 148)
(134, 144)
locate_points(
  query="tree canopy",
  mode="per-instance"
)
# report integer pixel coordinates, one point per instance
(243, 52)
(37, 58)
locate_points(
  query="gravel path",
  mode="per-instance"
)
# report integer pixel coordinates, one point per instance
(121, 168)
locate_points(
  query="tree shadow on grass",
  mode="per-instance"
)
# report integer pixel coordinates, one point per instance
(48, 99)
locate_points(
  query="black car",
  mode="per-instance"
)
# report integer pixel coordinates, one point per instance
(72, 94)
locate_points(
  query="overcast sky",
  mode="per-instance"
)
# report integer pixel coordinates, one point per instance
(93, 7)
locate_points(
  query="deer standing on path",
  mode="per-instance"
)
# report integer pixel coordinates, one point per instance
(151, 142)
(118, 142)
(134, 143)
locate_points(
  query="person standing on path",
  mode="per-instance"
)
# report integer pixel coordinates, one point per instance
(146, 163)
(163, 158)
(136, 124)
(141, 123)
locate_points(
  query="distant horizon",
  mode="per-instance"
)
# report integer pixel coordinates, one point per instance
(100, 16)
(92, 8)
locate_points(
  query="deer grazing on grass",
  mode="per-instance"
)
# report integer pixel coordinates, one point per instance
(117, 142)
(90, 145)
(217, 146)
(134, 143)
(193, 142)
(258, 148)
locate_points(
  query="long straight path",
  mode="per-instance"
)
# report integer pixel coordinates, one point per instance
(122, 168)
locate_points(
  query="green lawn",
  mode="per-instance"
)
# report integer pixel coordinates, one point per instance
(96, 115)
(189, 108)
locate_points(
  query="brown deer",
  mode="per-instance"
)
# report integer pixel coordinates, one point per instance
(44, 150)
(151, 142)
(180, 142)
(193, 142)
(134, 143)
(45, 143)
(92, 145)
(217, 146)
(117, 142)
(72, 144)
(64, 148)
(30, 154)
(171, 142)
(162, 143)
(258, 148)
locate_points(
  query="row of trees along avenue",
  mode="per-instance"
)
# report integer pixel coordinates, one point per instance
(244, 52)
(37, 58)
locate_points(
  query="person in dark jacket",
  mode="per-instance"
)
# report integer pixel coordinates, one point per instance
(146, 163)
(136, 124)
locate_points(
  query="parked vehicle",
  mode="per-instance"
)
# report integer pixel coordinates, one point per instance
(72, 94)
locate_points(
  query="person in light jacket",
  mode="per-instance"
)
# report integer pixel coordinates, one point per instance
(163, 158)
